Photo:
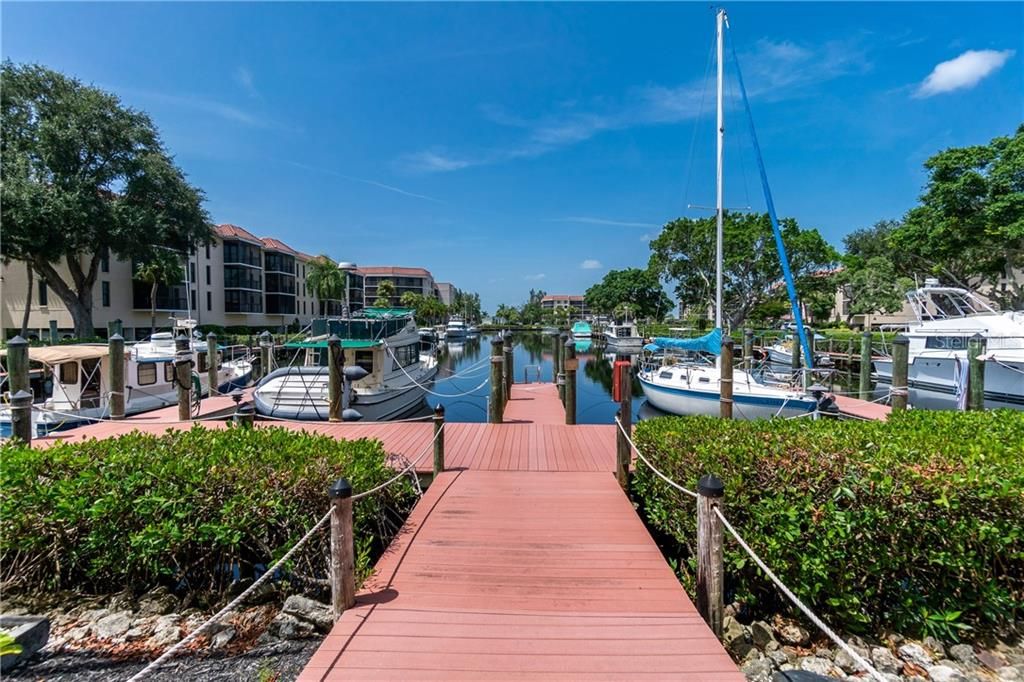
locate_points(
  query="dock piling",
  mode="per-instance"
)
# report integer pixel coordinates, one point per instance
(438, 440)
(710, 572)
(623, 455)
(183, 377)
(495, 406)
(334, 380)
(116, 346)
(748, 349)
(343, 564)
(900, 354)
(725, 398)
(114, 327)
(266, 353)
(563, 339)
(17, 365)
(212, 364)
(976, 347)
(865, 366)
(508, 366)
(795, 361)
(571, 363)
(21, 416)
(54, 333)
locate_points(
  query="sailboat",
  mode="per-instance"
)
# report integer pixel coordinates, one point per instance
(695, 388)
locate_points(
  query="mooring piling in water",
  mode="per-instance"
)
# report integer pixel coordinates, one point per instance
(725, 398)
(865, 365)
(748, 349)
(900, 353)
(509, 365)
(183, 376)
(563, 338)
(976, 347)
(334, 379)
(496, 407)
(571, 363)
(212, 364)
(115, 345)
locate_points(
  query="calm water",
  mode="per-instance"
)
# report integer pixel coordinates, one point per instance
(464, 386)
(463, 378)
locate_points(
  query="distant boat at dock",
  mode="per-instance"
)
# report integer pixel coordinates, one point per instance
(581, 330)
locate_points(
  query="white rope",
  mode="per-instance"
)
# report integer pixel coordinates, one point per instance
(427, 390)
(651, 466)
(807, 612)
(145, 672)
(404, 471)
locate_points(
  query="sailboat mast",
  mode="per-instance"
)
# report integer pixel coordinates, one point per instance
(719, 257)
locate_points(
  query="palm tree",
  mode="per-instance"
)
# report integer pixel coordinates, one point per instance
(163, 267)
(325, 280)
(385, 292)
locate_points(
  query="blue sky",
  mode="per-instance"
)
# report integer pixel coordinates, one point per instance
(510, 146)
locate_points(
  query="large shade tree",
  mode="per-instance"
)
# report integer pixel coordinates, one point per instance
(82, 174)
(639, 288)
(684, 252)
(969, 228)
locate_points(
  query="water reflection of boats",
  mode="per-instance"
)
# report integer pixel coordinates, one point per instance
(583, 346)
(383, 342)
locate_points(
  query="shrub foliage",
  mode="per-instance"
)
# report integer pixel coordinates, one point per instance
(189, 509)
(902, 524)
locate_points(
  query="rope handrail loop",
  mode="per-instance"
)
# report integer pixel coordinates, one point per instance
(796, 600)
(650, 466)
(427, 390)
(403, 472)
(164, 657)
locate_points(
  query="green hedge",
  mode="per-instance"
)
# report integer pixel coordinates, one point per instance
(187, 509)
(915, 524)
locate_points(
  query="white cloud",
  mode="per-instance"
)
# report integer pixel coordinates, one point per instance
(535, 278)
(963, 72)
(590, 264)
(366, 181)
(775, 70)
(587, 220)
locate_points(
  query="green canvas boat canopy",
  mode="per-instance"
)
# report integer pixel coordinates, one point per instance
(345, 343)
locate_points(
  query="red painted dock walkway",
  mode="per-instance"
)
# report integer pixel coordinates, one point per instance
(862, 409)
(526, 576)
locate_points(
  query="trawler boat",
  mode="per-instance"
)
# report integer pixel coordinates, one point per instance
(383, 342)
(781, 352)
(947, 317)
(74, 387)
(581, 330)
(456, 328)
(623, 338)
(696, 387)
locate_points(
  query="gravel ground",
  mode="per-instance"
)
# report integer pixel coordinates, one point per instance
(285, 659)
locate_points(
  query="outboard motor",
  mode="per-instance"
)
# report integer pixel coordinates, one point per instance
(826, 401)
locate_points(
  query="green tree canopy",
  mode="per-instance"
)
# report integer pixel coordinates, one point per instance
(640, 288)
(82, 174)
(969, 228)
(684, 252)
(385, 292)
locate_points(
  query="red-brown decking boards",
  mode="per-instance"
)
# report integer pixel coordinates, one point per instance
(862, 409)
(522, 575)
(536, 404)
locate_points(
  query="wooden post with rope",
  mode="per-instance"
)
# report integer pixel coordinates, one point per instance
(725, 399)
(438, 439)
(495, 408)
(571, 363)
(116, 350)
(509, 366)
(19, 388)
(976, 347)
(900, 353)
(563, 339)
(624, 392)
(710, 571)
(183, 377)
(343, 557)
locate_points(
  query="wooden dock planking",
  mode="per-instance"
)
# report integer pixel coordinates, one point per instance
(522, 575)
(862, 409)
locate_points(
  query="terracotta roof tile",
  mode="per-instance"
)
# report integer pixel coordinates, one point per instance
(229, 231)
(394, 271)
(278, 245)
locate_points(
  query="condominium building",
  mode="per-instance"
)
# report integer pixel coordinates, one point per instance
(416, 280)
(446, 292)
(577, 305)
(238, 280)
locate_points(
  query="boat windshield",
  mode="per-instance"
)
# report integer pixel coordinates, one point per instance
(943, 303)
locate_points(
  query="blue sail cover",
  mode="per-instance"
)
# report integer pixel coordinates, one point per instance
(709, 343)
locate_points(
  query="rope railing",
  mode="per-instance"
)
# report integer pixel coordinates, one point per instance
(702, 525)
(330, 516)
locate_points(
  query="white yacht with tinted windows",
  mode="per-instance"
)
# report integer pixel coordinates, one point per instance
(456, 328)
(947, 317)
(383, 343)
